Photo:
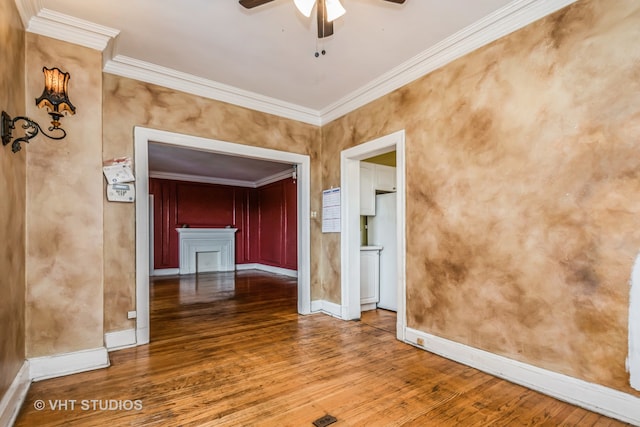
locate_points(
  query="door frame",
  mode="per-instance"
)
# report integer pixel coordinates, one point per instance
(350, 212)
(142, 138)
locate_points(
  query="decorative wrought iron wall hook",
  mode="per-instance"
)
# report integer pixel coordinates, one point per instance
(30, 127)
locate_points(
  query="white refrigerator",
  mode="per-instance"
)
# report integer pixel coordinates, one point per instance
(381, 231)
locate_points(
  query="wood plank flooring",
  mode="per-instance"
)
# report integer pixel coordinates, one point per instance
(229, 349)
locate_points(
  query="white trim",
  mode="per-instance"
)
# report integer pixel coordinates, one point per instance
(144, 71)
(151, 236)
(165, 272)
(42, 368)
(222, 181)
(28, 9)
(201, 179)
(14, 396)
(594, 397)
(633, 359)
(515, 15)
(142, 137)
(350, 214)
(327, 307)
(120, 339)
(350, 238)
(274, 178)
(141, 166)
(70, 29)
(268, 268)
(369, 306)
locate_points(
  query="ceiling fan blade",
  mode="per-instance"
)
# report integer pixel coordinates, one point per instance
(396, 1)
(325, 28)
(249, 4)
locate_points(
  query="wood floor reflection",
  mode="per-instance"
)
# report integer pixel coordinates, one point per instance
(229, 349)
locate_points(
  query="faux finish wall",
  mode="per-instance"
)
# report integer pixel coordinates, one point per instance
(13, 196)
(129, 103)
(64, 199)
(522, 185)
(523, 176)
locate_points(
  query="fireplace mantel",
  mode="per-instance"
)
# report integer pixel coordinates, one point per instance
(219, 242)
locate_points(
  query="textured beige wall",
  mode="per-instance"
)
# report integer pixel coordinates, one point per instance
(522, 163)
(523, 213)
(129, 103)
(64, 199)
(12, 197)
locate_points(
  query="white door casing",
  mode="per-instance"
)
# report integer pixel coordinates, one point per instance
(142, 137)
(350, 213)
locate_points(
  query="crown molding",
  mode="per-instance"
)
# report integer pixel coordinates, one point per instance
(273, 178)
(221, 181)
(515, 15)
(144, 71)
(27, 10)
(201, 179)
(70, 29)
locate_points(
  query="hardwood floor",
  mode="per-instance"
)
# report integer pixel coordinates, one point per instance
(230, 350)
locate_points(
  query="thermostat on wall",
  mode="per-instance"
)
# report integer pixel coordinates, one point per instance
(121, 192)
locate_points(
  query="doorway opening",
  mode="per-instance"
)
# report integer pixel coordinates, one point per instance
(142, 138)
(351, 224)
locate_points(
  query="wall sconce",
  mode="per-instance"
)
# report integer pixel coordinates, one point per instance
(55, 98)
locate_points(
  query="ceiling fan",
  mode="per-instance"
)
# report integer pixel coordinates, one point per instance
(326, 11)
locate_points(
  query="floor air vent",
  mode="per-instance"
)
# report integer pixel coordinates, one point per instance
(325, 421)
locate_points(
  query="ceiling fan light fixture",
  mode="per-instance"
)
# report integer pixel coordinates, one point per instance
(334, 10)
(305, 6)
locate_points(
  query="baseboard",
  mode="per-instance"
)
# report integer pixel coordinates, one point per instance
(14, 397)
(330, 308)
(267, 268)
(367, 307)
(120, 339)
(253, 266)
(165, 272)
(594, 397)
(42, 368)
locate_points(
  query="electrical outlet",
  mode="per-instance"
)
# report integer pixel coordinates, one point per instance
(420, 342)
(132, 314)
(314, 214)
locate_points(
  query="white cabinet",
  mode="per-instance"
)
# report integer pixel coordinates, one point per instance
(369, 277)
(367, 189)
(374, 178)
(385, 178)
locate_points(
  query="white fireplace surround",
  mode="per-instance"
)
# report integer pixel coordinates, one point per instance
(202, 240)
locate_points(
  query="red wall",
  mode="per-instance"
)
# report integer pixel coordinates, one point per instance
(278, 224)
(266, 219)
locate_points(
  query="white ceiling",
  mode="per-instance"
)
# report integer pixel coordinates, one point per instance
(171, 162)
(270, 49)
(263, 58)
